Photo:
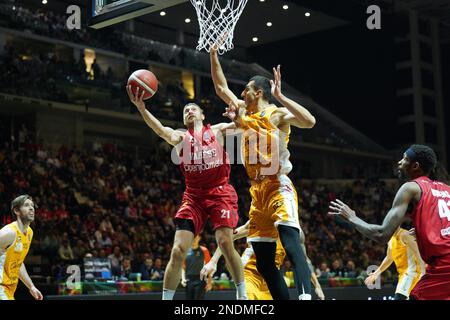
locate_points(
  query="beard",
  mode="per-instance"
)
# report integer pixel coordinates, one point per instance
(401, 175)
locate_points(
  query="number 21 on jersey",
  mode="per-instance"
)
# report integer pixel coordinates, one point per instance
(225, 214)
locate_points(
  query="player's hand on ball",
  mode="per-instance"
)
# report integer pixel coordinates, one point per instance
(208, 270)
(341, 209)
(36, 293)
(137, 98)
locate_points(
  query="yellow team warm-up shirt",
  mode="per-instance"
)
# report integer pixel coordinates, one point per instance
(11, 261)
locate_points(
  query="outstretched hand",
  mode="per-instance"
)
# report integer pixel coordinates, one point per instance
(232, 111)
(275, 84)
(137, 98)
(214, 47)
(341, 209)
(208, 270)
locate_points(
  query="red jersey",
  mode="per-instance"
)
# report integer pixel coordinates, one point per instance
(204, 162)
(432, 220)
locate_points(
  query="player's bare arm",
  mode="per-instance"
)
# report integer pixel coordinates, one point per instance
(25, 278)
(225, 129)
(172, 136)
(292, 113)
(387, 261)
(219, 80)
(409, 192)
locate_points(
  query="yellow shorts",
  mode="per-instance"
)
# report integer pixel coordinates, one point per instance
(255, 284)
(406, 283)
(274, 202)
(6, 293)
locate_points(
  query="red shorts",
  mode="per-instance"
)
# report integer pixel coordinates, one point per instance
(435, 283)
(218, 203)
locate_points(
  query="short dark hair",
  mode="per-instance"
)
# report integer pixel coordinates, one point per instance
(425, 156)
(19, 201)
(195, 104)
(263, 83)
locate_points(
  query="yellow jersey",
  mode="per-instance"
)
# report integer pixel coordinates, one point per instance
(11, 260)
(264, 149)
(409, 264)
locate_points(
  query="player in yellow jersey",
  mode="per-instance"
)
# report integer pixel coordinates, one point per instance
(402, 249)
(15, 240)
(255, 284)
(274, 208)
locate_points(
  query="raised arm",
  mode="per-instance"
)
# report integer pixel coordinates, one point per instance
(225, 128)
(220, 82)
(172, 136)
(292, 113)
(381, 233)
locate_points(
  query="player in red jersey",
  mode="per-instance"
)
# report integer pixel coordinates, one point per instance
(206, 168)
(430, 202)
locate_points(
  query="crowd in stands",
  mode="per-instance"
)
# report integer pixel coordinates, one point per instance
(48, 23)
(106, 203)
(47, 77)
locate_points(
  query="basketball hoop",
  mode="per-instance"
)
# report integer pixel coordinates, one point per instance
(217, 23)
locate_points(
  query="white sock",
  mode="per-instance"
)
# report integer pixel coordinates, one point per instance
(168, 294)
(241, 292)
(304, 296)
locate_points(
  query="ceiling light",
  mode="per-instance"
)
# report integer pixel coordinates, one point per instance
(187, 20)
(307, 14)
(285, 7)
(44, 1)
(262, 0)
(255, 39)
(162, 13)
(269, 24)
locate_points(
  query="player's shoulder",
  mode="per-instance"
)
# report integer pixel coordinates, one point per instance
(411, 187)
(7, 234)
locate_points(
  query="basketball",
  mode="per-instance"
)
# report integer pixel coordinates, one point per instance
(144, 80)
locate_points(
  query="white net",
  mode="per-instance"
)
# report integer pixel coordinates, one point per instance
(217, 22)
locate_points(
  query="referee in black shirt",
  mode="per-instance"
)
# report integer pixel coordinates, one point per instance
(196, 258)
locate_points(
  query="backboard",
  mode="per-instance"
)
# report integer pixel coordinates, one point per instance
(104, 13)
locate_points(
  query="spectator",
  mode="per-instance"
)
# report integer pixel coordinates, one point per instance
(323, 272)
(65, 252)
(336, 269)
(125, 269)
(157, 272)
(350, 270)
(116, 260)
(146, 269)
